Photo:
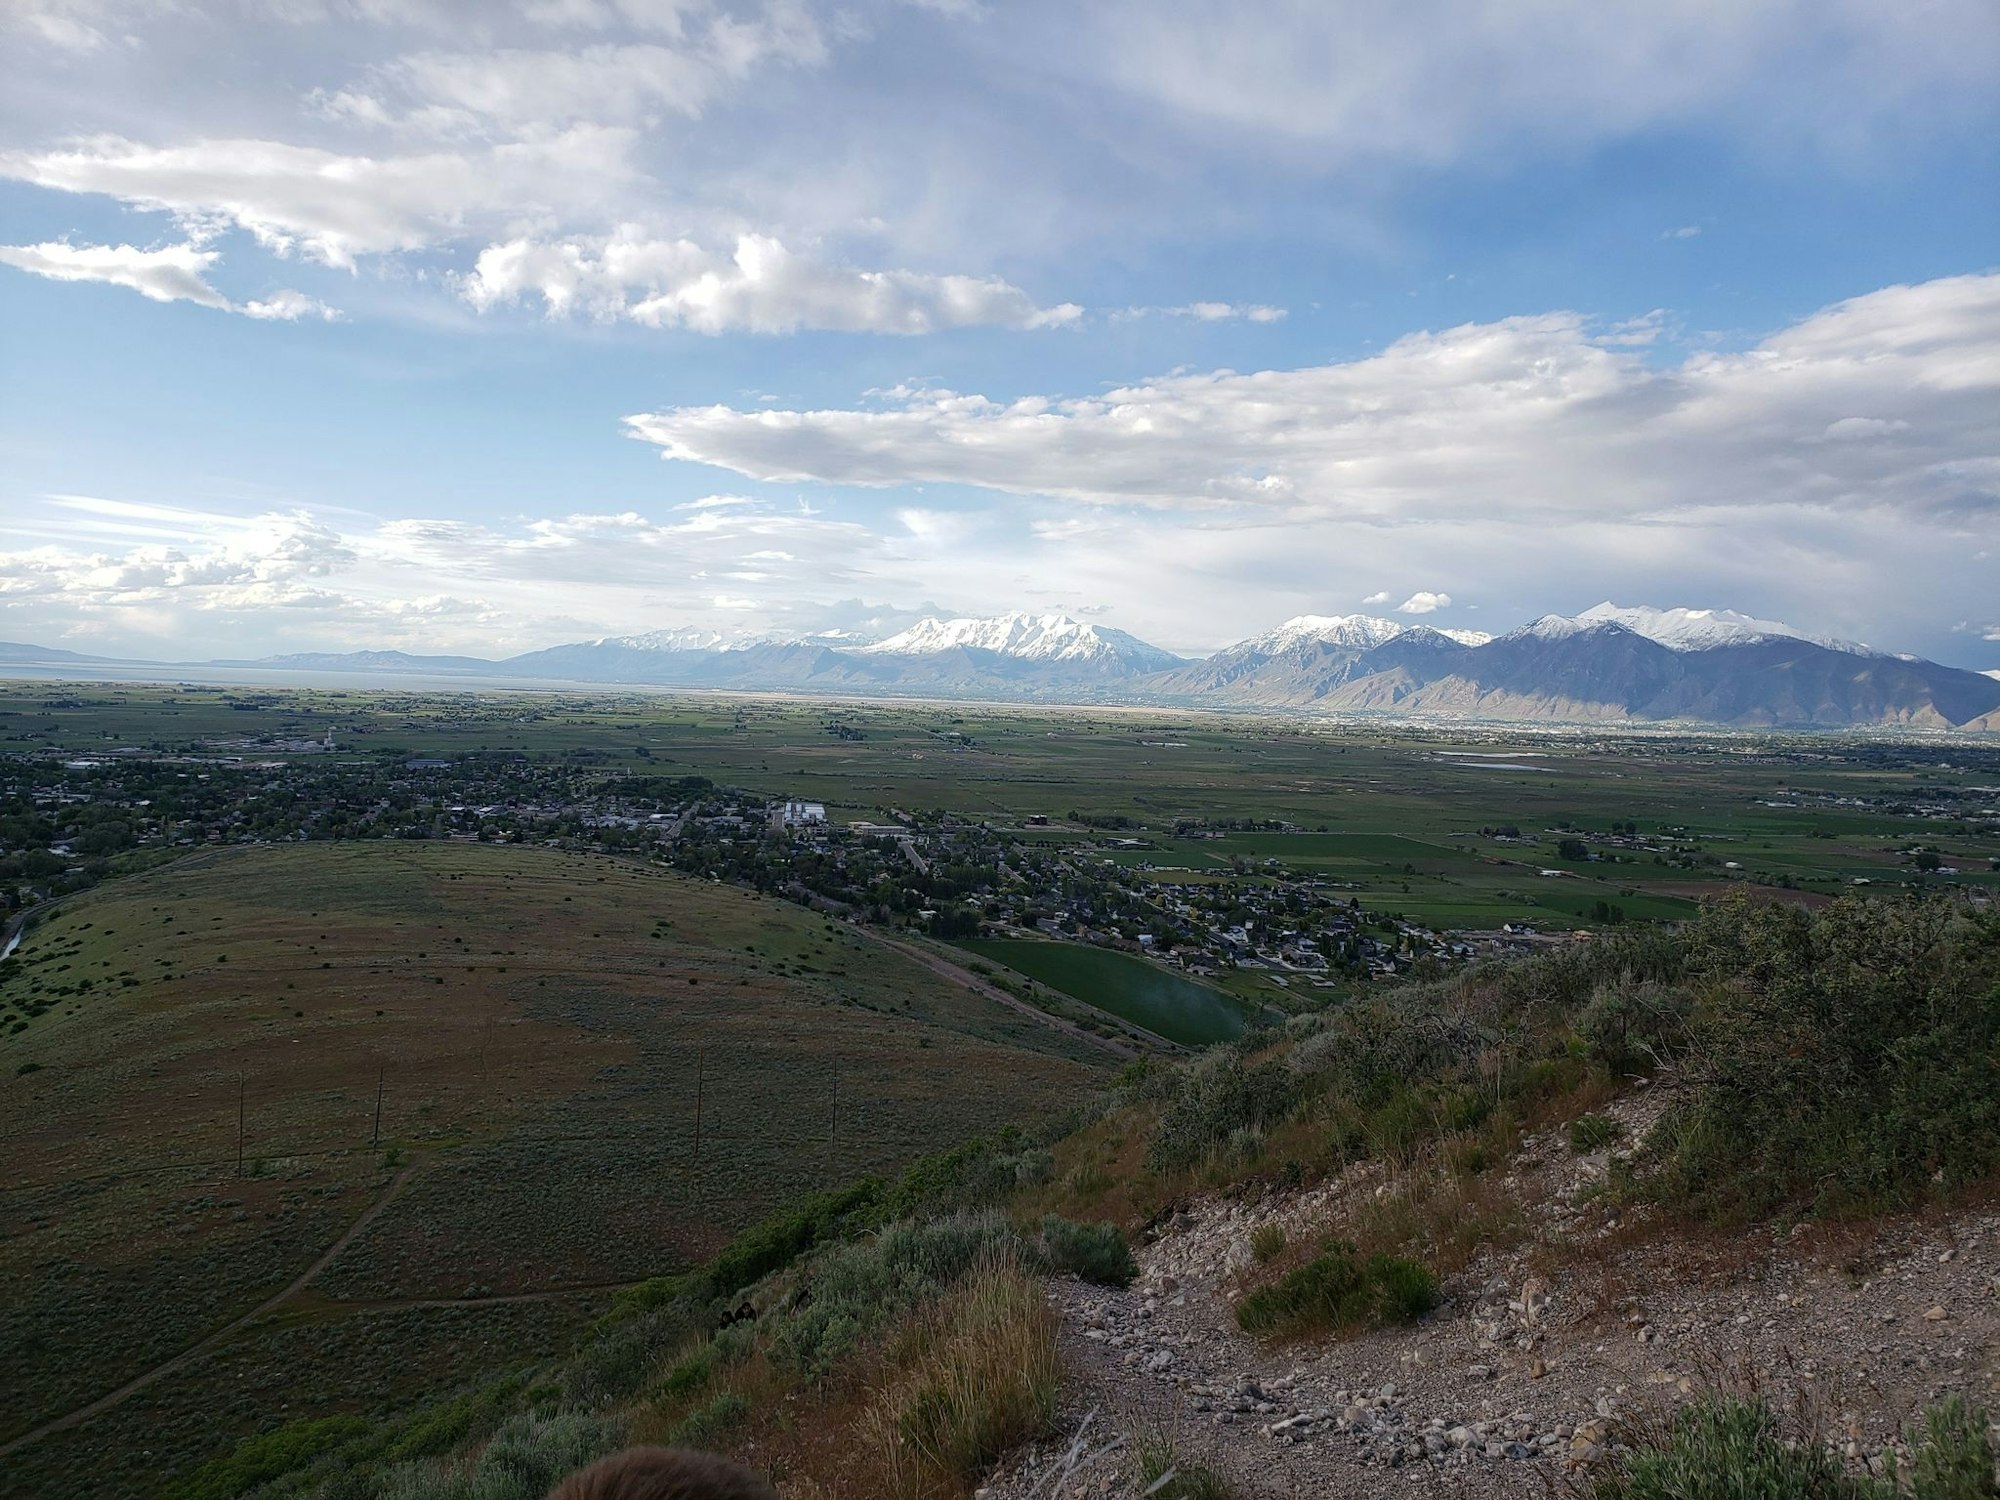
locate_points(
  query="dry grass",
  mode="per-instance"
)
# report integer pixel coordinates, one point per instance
(981, 1375)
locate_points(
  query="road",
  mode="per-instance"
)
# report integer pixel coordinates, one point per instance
(228, 1331)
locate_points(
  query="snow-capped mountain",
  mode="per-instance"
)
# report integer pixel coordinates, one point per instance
(1028, 638)
(1699, 629)
(1610, 664)
(1357, 632)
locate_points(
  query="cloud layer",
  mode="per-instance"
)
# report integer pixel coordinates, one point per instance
(1879, 403)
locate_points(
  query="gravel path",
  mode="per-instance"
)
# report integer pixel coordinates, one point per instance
(1518, 1383)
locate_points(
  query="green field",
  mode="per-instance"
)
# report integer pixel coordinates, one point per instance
(1391, 815)
(539, 1027)
(1131, 988)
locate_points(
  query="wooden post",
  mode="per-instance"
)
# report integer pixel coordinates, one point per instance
(700, 1062)
(380, 1077)
(241, 1087)
(834, 1136)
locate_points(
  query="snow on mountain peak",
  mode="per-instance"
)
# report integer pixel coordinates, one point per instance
(1699, 629)
(1357, 632)
(1025, 637)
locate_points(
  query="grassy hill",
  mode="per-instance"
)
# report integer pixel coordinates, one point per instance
(191, 1104)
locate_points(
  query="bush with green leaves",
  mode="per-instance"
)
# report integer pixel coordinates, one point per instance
(1095, 1252)
(1735, 1448)
(1840, 1061)
(1267, 1242)
(1212, 1098)
(1339, 1289)
(266, 1457)
(854, 1289)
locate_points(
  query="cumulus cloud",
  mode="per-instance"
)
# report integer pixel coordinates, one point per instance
(1527, 417)
(1380, 596)
(1424, 602)
(761, 286)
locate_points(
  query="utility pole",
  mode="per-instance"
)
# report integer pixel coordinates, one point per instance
(380, 1077)
(241, 1087)
(700, 1061)
(834, 1136)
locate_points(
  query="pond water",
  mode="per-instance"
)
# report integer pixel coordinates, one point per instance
(1131, 988)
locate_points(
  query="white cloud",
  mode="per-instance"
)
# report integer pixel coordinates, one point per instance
(1531, 417)
(171, 273)
(1380, 596)
(1424, 602)
(704, 57)
(1685, 232)
(1215, 312)
(331, 206)
(289, 307)
(1427, 80)
(761, 286)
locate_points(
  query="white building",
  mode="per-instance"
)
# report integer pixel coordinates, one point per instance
(797, 814)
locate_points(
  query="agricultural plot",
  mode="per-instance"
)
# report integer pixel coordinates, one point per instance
(192, 1117)
(1131, 988)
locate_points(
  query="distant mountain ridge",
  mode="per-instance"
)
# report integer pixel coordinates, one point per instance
(1611, 664)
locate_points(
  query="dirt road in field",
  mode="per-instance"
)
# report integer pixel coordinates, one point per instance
(944, 968)
(229, 1330)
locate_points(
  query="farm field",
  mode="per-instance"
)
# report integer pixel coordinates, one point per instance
(1146, 995)
(192, 1123)
(1399, 817)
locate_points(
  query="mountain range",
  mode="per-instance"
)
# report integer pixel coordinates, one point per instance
(1610, 664)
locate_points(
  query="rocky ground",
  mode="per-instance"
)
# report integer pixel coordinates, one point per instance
(1539, 1357)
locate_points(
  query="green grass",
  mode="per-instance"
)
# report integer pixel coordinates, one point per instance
(1128, 987)
(1340, 1289)
(544, 1094)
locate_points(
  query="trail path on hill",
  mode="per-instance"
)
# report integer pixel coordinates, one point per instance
(229, 1330)
(1517, 1384)
(944, 968)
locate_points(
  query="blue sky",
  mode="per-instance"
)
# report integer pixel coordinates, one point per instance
(342, 323)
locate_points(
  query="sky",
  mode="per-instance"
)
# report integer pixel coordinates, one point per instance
(484, 325)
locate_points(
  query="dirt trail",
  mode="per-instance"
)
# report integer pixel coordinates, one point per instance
(1518, 1382)
(944, 968)
(229, 1330)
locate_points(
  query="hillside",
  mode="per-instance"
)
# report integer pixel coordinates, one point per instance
(543, 1031)
(1706, 1201)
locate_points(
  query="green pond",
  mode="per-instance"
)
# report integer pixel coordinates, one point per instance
(1165, 1004)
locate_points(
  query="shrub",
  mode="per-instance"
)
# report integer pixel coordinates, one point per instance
(701, 1427)
(1734, 1448)
(1844, 1060)
(531, 1452)
(985, 1379)
(1339, 1290)
(1211, 1099)
(265, 1457)
(451, 1423)
(1588, 1133)
(856, 1288)
(1953, 1460)
(1267, 1242)
(1096, 1252)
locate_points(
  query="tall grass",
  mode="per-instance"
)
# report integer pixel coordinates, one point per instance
(982, 1376)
